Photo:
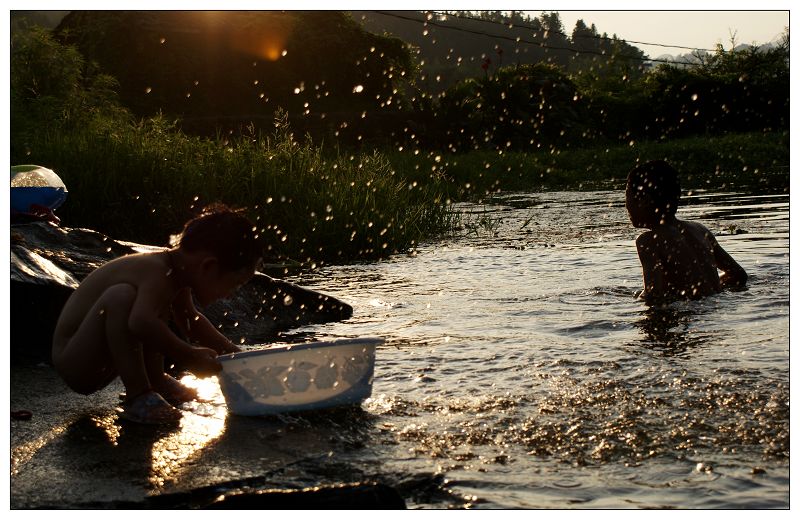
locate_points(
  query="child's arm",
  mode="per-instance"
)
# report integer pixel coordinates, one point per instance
(652, 273)
(733, 275)
(196, 327)
(146, 323)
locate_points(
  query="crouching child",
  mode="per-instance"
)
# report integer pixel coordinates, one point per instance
(117, 322)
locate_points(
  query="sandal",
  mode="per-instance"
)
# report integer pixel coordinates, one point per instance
(175, 392)
(149, 408)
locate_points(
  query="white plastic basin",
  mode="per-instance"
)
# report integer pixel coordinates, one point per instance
(303, 376)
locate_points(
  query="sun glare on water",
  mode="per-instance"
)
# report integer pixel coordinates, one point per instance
(198, 428)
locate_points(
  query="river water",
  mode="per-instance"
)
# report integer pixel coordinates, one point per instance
(520, 371)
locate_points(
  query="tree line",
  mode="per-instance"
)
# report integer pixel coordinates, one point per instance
(433, 81)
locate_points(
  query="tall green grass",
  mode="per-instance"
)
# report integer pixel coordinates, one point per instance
(142, 183)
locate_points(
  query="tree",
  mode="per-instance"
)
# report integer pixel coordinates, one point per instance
(241, 66)
(52, 86)
(744, 89)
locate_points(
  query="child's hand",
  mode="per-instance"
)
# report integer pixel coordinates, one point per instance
(231, 349)
(203, 362)
(732, 281)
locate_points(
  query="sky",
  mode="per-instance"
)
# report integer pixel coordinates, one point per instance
(688, 28)
(695, 24)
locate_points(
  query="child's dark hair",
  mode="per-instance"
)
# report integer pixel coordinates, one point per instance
(658, 181)
(227, 234)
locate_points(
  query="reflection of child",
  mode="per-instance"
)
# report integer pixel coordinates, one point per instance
(116, 321)
(679, 259)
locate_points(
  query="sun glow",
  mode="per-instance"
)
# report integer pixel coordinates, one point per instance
(270, 47)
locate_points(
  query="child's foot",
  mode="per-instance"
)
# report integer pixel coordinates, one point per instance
(173, 391)
(149, 408)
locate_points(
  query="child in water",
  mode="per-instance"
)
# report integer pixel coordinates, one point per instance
(116, 323)
(680, 260)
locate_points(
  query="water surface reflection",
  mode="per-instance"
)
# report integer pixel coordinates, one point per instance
(520, 366)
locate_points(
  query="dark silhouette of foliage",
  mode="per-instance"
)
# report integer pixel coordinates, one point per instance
(731, 91)
(456, 46)
(212, 67)
(52, 86)
(516, 107)
(441, 82)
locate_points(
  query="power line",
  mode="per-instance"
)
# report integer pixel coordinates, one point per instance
(464, 17)
(522, 40)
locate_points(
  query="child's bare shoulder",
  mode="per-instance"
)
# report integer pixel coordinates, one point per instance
(696, 227)
(146, 260)
(134, 268)
(698, 231)
(646, 238)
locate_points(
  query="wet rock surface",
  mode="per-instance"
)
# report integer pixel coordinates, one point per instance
(48, 262)
(343, 496)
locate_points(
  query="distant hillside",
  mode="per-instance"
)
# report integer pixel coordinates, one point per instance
(240, 65)
(464, 44)
(694, 58)
(46, 19)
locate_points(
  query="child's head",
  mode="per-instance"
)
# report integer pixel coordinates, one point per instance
(226, 252)
(224, 233)
(652, 193)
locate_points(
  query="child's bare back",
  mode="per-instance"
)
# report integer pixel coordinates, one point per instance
(141, 283)
(678, 261)
(144, 269)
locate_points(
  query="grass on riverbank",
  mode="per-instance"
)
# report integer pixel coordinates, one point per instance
(754, 162)
(315, 205)
(141, 184)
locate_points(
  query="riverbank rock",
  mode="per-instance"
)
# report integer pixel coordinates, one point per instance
(359, 496)
(345, 496)
(48, 262)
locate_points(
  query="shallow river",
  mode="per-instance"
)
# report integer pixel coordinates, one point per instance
(520, 370)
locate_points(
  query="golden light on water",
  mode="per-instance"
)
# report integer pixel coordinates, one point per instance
(203, 422)
(198, 428)
(109, 425)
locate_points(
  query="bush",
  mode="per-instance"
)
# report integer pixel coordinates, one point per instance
(517, 107)
(743, 90)
(141, 181)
